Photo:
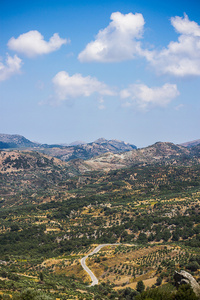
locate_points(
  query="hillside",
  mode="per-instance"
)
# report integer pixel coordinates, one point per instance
(16, 160)
(168, 153)
(26, 174)
(35, 172)
(52, 213)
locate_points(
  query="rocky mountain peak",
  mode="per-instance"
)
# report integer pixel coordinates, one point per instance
(100, 141)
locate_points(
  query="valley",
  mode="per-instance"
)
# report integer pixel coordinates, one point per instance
(146, 202)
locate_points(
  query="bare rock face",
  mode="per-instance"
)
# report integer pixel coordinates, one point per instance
(184, 277)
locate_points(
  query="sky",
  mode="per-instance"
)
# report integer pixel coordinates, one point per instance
(82, 70)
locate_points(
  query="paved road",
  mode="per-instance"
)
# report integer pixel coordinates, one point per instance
(83, 264)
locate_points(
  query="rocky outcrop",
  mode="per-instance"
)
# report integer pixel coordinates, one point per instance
(184, 277)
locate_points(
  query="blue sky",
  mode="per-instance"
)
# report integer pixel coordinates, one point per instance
(80, 70)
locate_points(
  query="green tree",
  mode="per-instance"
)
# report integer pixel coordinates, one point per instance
(185, 292)
(14, 227)
(31, 294)
(193, 266)
(158, 281)
(41, 276)
(166, 234)
(140, 286)
(142, 238)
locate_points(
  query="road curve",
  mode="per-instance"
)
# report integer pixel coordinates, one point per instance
(83, 263)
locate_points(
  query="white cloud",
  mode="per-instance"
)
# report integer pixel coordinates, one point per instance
(68, 87)
(185, 26)
(11, 67)
(118, 41)
(144, 97)
(181, 58)
(32, 43)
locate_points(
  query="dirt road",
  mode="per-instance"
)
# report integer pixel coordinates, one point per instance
(83, 263)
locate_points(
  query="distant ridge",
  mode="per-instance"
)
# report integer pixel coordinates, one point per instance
(87, 151)
(15, 141)
(76, 150)
(160, 152)
(76, 143)
(190, 144)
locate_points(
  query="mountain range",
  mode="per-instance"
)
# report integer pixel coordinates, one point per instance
(28, 172)
(158, 153)
(75, 150)
(101, 155)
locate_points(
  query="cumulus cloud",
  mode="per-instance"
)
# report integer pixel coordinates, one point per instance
(118, 41)
(185, 26)
(11, 67)
(180, 58)
(144, 97)
(75, 86)
(32, 43)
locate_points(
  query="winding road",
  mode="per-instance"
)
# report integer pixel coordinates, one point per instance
(83, 263)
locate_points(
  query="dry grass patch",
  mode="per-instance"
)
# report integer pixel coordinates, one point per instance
(147, 282)
(50, 262)
(74, 270)
(52, 229)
